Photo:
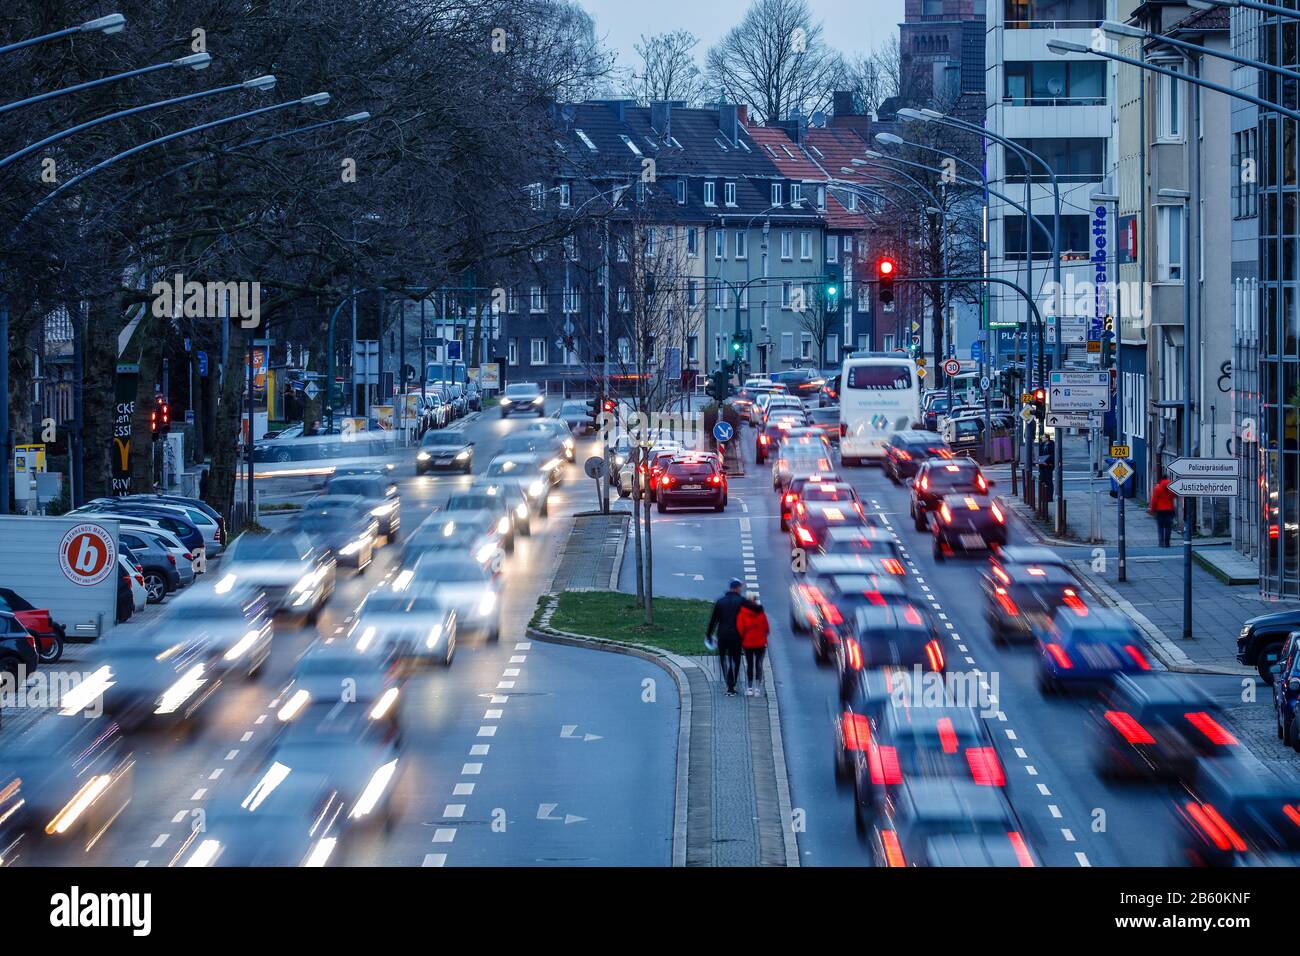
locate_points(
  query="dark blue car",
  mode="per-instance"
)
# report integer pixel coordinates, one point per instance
(1086, 647)
(1286, 691)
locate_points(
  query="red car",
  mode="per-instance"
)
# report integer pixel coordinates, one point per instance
(48, 632)
(694, 482)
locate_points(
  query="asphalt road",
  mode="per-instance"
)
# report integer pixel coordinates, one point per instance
(521, 753)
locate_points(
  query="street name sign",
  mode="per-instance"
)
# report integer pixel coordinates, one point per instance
(1205, 487)
(1069, 420)
(1205, 468)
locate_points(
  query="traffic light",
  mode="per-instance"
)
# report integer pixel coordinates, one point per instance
(160, 417)
(885, 270)
(718, 386)
(737, 346)
(1108, 342)
(833, 287)
(609, 405)
(594, 407)
(1040, 403)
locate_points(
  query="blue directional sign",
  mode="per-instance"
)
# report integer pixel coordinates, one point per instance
(723, 432)
(453, 350)
(203, 363)
(977, 351)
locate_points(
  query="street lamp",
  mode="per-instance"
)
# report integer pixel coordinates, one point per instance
(107, 25)
(195, 61)
(1251, 4)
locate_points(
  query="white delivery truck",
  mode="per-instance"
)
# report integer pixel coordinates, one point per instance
(68, 566)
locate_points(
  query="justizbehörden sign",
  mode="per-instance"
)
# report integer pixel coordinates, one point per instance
(1204, 487)
(1205, 468)
(1078, 398)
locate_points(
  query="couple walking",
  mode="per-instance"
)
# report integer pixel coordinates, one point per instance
(741, 627)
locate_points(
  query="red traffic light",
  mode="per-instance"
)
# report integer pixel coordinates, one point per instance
(885, 267)
(1040, 394)
(609, 404)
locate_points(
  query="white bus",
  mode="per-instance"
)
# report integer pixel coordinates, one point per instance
(879, 395)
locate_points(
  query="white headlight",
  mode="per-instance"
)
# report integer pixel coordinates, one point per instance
(505, 401)
(539, 399)
(484, 553)
(181, 691)
(375, 788)
(380, 510)
(207, 852)
(384, 704)
(423, 456)
(462, 456)
(352, 547)
(487, 603)
(503, 525)
(568, 443)
(435, 635)
(522, 510)
(536, 488)
(241, 648)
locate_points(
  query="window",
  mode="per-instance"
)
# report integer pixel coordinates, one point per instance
(1025, 14)
(1075, 237)
(721, 296)
(536, 300)
(787, 239)
(692, 292)
(571, 299)
(620, 246)
(888, 341)
(1075, 159)
(729, 193)
(805, 245)
(537, 355)
(805, 345)
(565, 194)
(624, 302)
(692, 349)
(821, 197)
(1169, 243)
(1245, 174)
(681, 192)
(796, 194)
(847, 295)
(832, 348)
(624, 350)
(512, 300)
(1170, 103)
(776, 194)
(832, 248)
(512, 352)
(742, 244)
(1055, 83)
(710, 194)
(932, 8)
(720, 244)
(787, 289)
(652, 242)
(536, 195)
(692, 242)
(744, 297)
(848, 243)
(570, 249)
(787, 346)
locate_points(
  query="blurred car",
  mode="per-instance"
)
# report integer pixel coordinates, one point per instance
(1020, 599)
(663, 447)
(479, 500)
(465, 586)
(49, 633)
(949, 822)
(412, 620)
(905, 451)
(873, 542)
(473, 533)
(863, 704)
(297, 575)
(1085, 647)
(288, 818)
(1239, 816)
(835, 601)
(899, 634)
(63, 781)
(526, 485)
(801, 382)
(154, 679)
(827, 421)
(445, 451)
(967, 523)
(759, 396)
(938, 477)
(779, 422)
(810, 520)
(576, 415)
(1158, 725)
(342, 674)
(379, 494)
(1259, 643)
(18, 647)
(235, 624)
(799, 481)
(692, 481)
(934, 405)
(799, 456)
(1022, 554)
(522, 398)
(559, 429)
(546, 444)
(342, 525)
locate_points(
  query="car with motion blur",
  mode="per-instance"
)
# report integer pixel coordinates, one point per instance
(803, 484)
(867, 695)
(1021, 599)
(379, 494)
(235, 623)
(1259, 643)
(39, 623)
(805, 594)
(420, 628)
(549, 447)
(1086, 647)
(803, 455)
(1028, 554)
(287, 819)
(507, 518)
(662, 448)
(938, 477)
(780, 420)
(297, 575)
(811, 519)
(527, 485)
(1158, 725)
(906, 451)
(473, 533)
(18, 647)
(826, 419)
(559, 429)
(949, 822)
(522, 398)
(801, 382)
(871, 542)
(62, 784)
(157, 679)
(445, 450)
(576, 414)
(890, 634)
(359, 675)
(967, 523)
(692, 481)
(342, 525)
(468, 588)
(934, 406)
(1238, 815)
(513, 494)
(834, 602)
(763, 395)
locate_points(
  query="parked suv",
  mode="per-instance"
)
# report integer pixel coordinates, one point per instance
(523, 397)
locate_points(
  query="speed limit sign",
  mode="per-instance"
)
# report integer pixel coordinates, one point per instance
(951, 367)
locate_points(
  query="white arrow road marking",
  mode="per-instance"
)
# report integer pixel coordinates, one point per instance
(570, 818)
(544, 811)
(689, 547)
(568, 731)
(682, 574)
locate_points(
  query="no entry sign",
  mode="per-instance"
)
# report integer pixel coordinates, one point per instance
(87, 554)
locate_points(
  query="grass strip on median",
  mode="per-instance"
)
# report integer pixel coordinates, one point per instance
(678, 628)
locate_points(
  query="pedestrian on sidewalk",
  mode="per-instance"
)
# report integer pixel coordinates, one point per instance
(1162, 506)
(753, 629)
(1046, 466)
(723, 622)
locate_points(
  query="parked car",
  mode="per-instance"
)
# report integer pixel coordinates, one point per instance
(135, 579)
(156, 563)
(18, 648)
(1259, 644)
(49, 633)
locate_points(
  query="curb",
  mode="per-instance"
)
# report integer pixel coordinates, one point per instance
(788, 839)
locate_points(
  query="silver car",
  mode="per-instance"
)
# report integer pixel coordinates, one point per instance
(467, 587)
(297, 576)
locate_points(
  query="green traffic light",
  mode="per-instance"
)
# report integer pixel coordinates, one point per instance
(832, 290)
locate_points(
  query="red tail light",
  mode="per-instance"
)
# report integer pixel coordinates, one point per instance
(893, 849)
(934, 654)
(912, 616)
(1074, 603)
(1059, 655)
(857, 731)
(666, 480)
(1130, 729)
(903, 456)
(985, 768)
(892, 565)
(139, 568)
(853, 654)
(806, 537)
(981, 483)
(172, 559)
(789, 499)
(833, 615)
(925, 482)
(844, 429)
(762, 439)
(947, 736)
(1004, 599)
(1022, 851)
(716, 479)
(139, 580)
(945, 513)
(799, 509)
(1292, 814)
(1217, 829)
(998, 516)
(1138, 657)
(882, 762)
(188, 556)
(1215, 732)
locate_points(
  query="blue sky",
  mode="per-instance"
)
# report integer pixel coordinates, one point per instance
(852, 26)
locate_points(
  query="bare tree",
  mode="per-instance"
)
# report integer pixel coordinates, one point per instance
(875, 77)
(668, 70)
(776, 61)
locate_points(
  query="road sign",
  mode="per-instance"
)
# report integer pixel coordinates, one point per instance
(87, 554)
(977, 351)
(311, 391)
(985, 382)
(1070, 420)
(1205, 487)
(723, 431)
(921, 361)
(203, 364)
(916, 340)
(915, 326)
(1205, 468)
(453, 350)
(920, 372)
(1094, 345)
(1120, 451)
(594, 466)
(1075, 398)
(1120, 470)
(951, 367)
(432, 342)
(1095, 379)
(1027, 414)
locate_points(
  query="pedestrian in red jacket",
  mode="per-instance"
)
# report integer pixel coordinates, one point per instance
(1162, 506)
(753, 628)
